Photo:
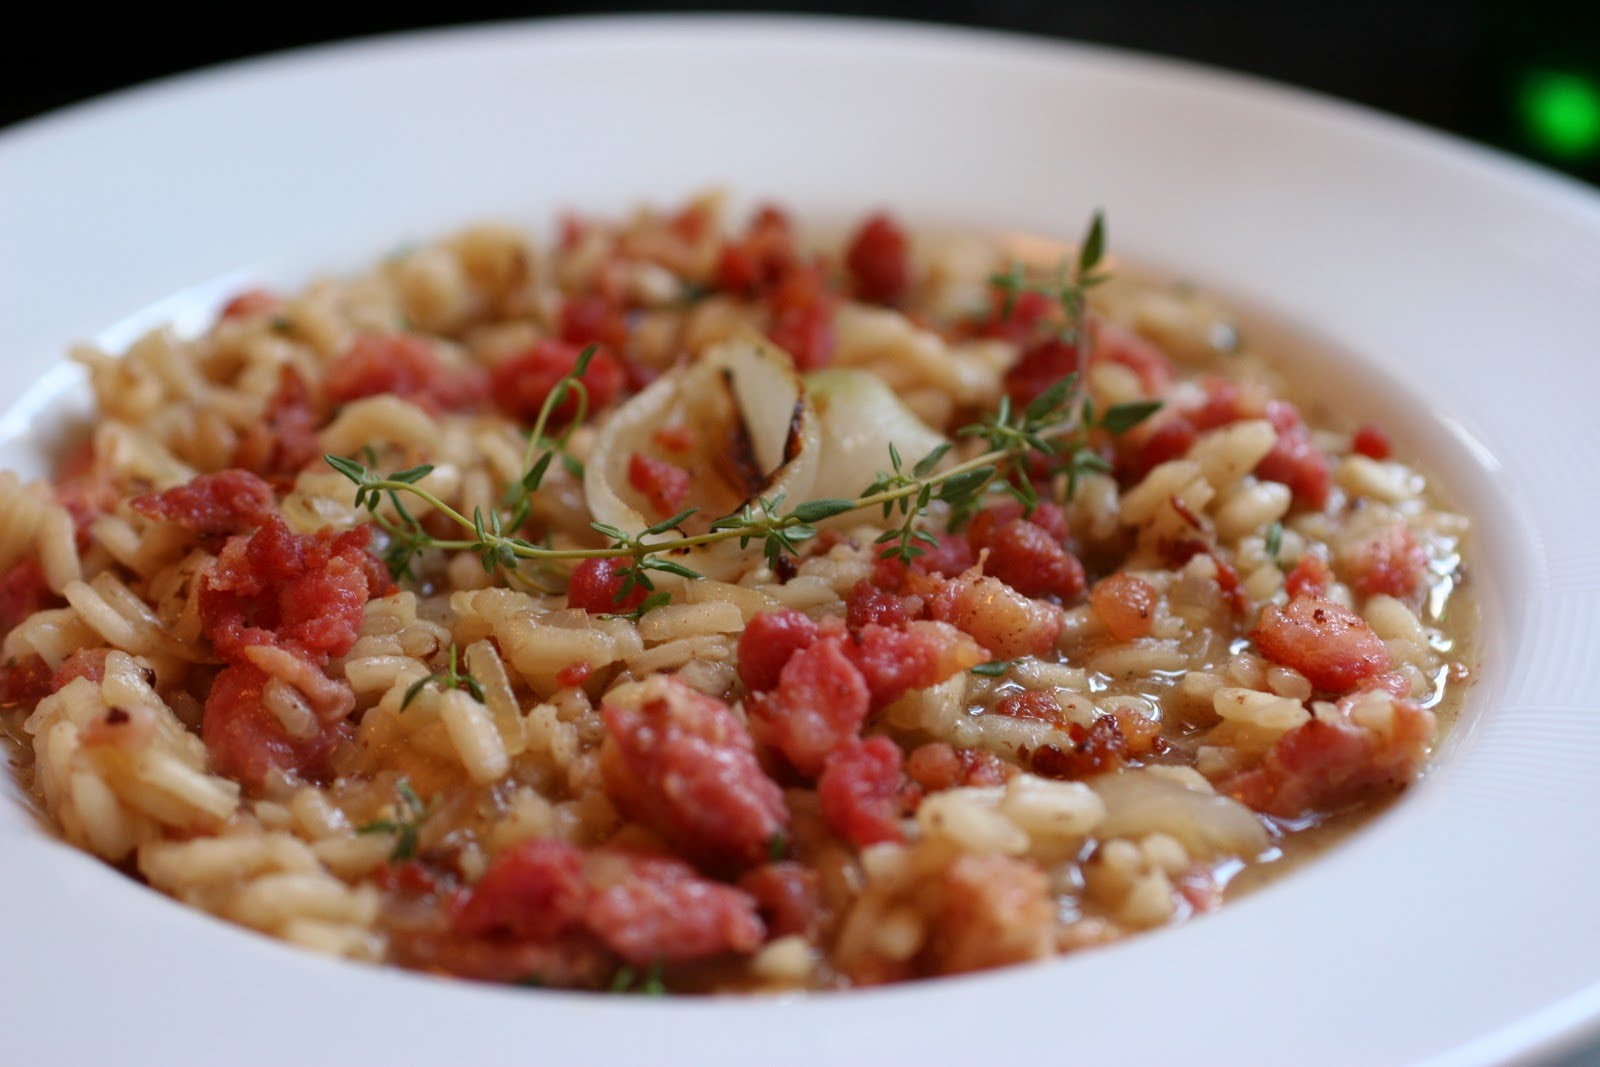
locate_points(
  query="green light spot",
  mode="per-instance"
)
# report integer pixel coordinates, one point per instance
(1561, 113)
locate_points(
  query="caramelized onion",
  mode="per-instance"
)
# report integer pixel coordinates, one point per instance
(756, 436)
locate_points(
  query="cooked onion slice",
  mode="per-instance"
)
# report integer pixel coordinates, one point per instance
(1139, 802)
(755, 434)
(861, 417)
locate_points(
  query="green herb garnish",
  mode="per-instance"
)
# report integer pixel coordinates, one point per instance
(649, 984)
(450, 678)
(410, 815)
(1048, 437)
(994, 668)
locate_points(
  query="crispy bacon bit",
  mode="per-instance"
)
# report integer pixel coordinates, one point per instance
(682, 762)
(1175, 553)
(1030, 704)
(763, 255)
(981, 767)
(1294, 460)
(1002, 620)
(1126, 604)
(766, 644)
(522, 383)
(652, 909)
(1389, 562)
(251, 302)
(1369, 440)
(1018, 320)
(996, 910)
(692, 222)
(1051, 761)
(1326, 763)
(284, 440)
(1113, 344)
(411, 878)
(1047, 516)
(248, 742)
(87, 663)
(802, 317)
(24, 681)
(868, 605)
(1041, 365)
(1297, 463)
(859, 791)
(300, 592)
(1099, 748)
(894, 661)
(1028, 555)
(1310, 577)
(1224, 402)
(534, 890)
(879, 261)
(785, 569)
(1167, 439)
(405, 366)
(225, 502)
(645, 909)
(891, 574)
(789, 896)
(592, 319)
(820, 702)
(1141, 734)
(1329, 644)
(23, 591)
(665, 485)
(573, 674)
(85, 490)
(596, 587)
(936, 766)
(950, 557)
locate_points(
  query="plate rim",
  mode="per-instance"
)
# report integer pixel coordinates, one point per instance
(1581, 1020)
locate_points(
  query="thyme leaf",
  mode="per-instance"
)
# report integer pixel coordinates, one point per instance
(406, 826)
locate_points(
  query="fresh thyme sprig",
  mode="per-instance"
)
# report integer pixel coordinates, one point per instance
(541, 450)
(1070, 286)
(450, 678)
(907, 540)
(780, 531)
(1046, 438)
(649, 984)
(659, 599)
(407, 825)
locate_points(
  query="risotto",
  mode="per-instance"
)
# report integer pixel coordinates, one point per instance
(690, 608)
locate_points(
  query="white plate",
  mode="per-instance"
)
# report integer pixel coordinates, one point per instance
(1461, 287)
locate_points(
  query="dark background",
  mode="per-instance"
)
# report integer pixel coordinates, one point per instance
(1524, 76)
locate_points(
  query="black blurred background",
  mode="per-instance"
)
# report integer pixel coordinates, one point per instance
(1522, 76)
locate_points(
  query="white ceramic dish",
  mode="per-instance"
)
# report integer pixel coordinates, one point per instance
(1454, 289)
